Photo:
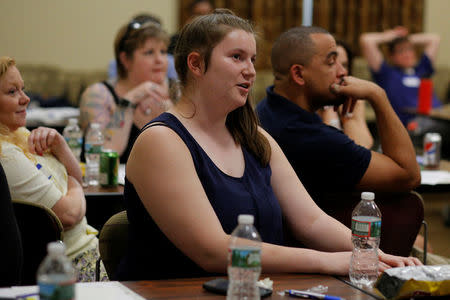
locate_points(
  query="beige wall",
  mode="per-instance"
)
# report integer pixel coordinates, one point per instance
(437, 20)
(74, 34)
(78, 34)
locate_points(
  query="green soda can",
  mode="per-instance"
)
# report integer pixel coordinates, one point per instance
(109, 168)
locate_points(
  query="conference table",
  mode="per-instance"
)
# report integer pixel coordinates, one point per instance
(191, 288)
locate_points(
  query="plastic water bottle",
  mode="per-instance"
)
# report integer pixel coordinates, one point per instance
(74, 137)
(56, 276)
(366, 229)
(244, 260)
(92, 150)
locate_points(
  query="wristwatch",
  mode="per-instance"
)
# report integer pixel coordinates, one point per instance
(126, 103)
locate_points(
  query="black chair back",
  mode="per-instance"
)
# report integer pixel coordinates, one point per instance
(401, 217)
(38, 226)
(10, 240)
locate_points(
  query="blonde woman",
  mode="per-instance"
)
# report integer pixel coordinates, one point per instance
(40, 168)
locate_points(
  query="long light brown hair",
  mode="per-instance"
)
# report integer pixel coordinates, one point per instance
(202, 35)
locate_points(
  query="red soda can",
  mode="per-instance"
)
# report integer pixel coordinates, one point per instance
(432, 150)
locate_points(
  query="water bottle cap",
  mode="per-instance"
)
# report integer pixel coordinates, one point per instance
(245, 219)
(56, 247)
(367, 196)
(73, 121)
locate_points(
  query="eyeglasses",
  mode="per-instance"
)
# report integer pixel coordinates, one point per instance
(135, 25)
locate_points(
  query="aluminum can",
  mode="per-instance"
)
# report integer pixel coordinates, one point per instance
(432, 150)
(109, 168)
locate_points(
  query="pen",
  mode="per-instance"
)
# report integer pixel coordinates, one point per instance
(311, 295)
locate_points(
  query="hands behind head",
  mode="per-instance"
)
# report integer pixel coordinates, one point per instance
(401, 31)
(398, 31)
(44, 139)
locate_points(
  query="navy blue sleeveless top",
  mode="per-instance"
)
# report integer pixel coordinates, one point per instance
(152, 256)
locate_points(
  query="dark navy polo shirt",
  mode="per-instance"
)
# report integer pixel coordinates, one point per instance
(324, 158)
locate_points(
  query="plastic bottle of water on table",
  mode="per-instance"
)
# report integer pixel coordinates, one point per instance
(56, 276)
(366, 230)
(244, 260)
(93, 147)
(74, 137)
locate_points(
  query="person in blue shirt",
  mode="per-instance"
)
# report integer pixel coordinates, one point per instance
(196, 167)
(400, 78)
(308, 76)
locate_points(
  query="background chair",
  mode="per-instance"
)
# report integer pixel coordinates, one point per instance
(401, 217)
(113, 241)
(38, 226)
(10, 240)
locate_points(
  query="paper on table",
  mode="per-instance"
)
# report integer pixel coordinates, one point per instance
(435, 177)
(121, 174)
(85, 291)
(104, 290)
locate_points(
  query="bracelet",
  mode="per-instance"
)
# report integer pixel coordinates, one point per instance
(126, 103)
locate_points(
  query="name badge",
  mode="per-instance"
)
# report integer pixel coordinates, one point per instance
(411, 81)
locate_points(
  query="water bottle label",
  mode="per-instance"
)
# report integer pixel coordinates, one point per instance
(366, 228)
(74, 143)
(95, 149)
(246, 258)
(56, 292)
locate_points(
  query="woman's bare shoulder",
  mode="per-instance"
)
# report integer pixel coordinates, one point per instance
(157, 145)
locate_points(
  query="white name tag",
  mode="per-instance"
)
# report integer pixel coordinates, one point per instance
(411, 81)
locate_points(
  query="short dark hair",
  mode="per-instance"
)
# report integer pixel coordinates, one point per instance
(397, 41)
(294, 46)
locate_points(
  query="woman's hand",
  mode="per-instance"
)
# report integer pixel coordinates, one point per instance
(153, 100)
(147, 90)
(45, 139)
(388, 261)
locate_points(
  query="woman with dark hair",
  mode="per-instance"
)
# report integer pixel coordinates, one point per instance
(354, 123)
(195, 168)
(141, 92)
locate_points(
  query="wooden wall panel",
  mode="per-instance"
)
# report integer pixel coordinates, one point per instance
(345, 19)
